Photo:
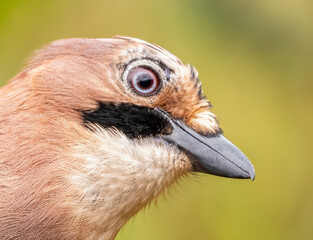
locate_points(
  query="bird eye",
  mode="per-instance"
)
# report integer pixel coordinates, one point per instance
(143, 81)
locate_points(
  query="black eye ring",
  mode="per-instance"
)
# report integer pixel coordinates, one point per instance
(144, 81)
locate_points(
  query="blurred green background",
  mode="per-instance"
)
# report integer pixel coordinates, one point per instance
(255, 59)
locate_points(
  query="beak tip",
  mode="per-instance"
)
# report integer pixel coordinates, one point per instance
(246, 172)
(252, 177)
(251, 173)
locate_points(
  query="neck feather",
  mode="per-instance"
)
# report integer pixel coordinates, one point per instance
(120, 176)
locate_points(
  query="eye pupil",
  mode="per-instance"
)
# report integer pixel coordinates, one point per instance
(145, 81)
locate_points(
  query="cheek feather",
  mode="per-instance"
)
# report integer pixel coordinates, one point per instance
(184, 100)
(205, 122)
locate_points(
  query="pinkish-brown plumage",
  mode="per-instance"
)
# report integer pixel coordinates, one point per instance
(68, 170)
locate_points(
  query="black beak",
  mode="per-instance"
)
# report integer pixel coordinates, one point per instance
(214, 154)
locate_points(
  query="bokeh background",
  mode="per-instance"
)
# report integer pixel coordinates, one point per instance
(255, 59)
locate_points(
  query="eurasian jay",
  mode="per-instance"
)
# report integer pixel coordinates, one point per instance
(93, 130)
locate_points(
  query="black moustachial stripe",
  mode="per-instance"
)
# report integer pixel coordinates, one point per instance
(133, 120)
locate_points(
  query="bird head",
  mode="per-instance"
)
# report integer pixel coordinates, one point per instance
(121, 119)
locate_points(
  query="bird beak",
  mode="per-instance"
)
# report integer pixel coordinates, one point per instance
(213, 155)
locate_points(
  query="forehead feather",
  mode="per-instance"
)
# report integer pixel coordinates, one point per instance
(141, 48)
